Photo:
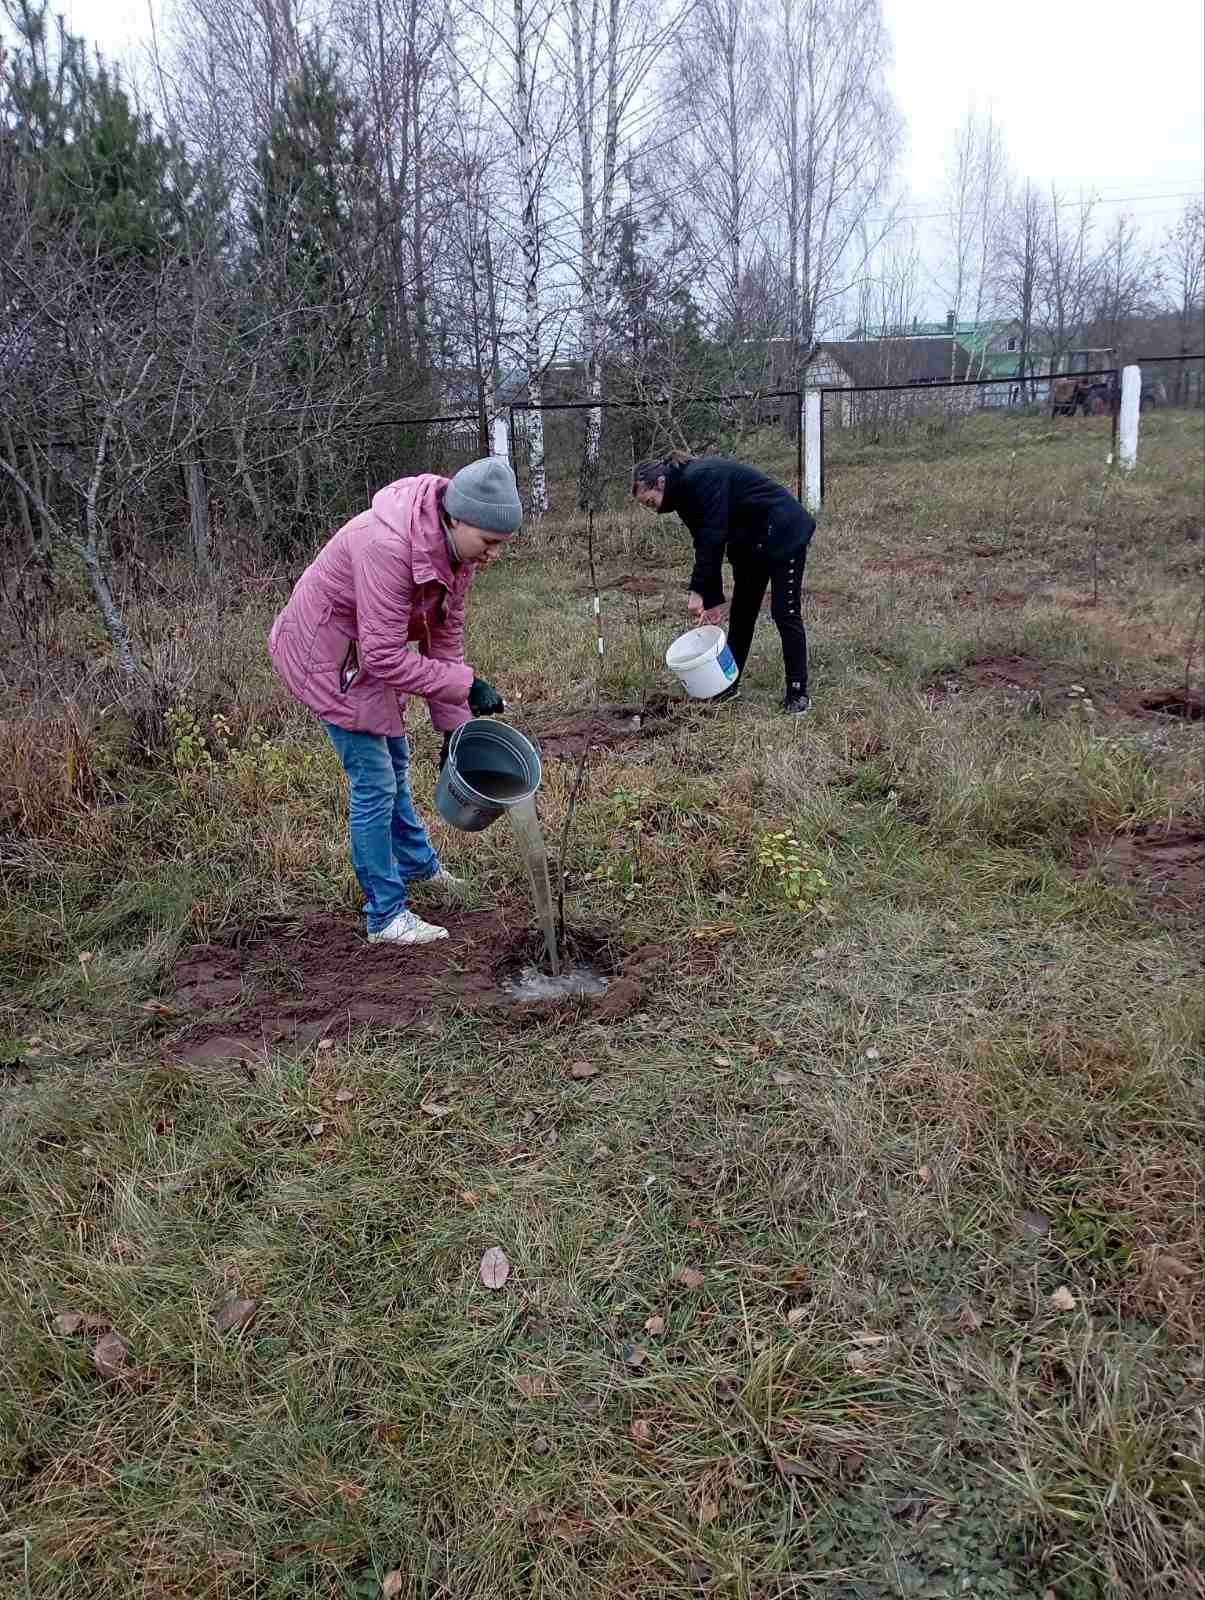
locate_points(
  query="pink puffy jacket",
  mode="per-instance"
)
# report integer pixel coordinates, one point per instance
(382, 581)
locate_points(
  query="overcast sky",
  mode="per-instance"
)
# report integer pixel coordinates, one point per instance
(1106, 96)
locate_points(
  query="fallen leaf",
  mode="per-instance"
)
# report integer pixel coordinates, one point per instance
(69, 1322)
(795, 1277)
(470, 1197)
(326, 1044)
(391, 1584)
(708, 1511)
(315, 1129)
(796, 1315)
(539, 1446)
(233, 1314)
(86, 956)
(495, 1268)
(344, 1096)
(1170, 1267)
(689, 1278)
(873, 1055)
(583, 1069)
(784, 1080)
(110, 1354)
(156, 1009)
(350, 1492)
(527, 1385)
(432, 1108)
(121, 1248)
(640, 1431)
(1035, 1224)
(1062, 1299)
(970, 1318)
(721, 1061)
(870, 1338)
(923, 1174)
(655, 1325)
(635, 1355)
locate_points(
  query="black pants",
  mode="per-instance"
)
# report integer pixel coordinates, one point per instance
(750, 575)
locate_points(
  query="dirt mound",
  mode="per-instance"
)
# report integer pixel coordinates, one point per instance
(1050, 688)
(285, 983)
(1162, 866)
(564, 736)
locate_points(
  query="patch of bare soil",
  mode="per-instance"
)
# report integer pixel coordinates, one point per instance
(565, 735)
(1048, 688)
(633, 583)
(284, 983)
(1162, 866)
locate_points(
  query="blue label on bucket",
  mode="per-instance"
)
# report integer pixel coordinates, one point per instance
(726, 664)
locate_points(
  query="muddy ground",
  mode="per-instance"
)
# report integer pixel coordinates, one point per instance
(288, 982)
(563, 736)
(1045, 688)
(1163, 867)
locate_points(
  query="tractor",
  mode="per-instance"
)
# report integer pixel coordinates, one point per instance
(1074, 391)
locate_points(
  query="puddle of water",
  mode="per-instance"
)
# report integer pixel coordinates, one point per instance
(532, 984)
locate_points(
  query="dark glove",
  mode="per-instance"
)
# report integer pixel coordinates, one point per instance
(443, 751)
(484, 700)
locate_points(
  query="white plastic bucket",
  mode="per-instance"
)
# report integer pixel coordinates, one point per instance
(702, 662)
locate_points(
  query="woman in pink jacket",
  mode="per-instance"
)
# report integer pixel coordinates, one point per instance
(394, 575)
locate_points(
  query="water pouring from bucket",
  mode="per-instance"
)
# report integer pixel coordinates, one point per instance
(492, 770)
(702, 662)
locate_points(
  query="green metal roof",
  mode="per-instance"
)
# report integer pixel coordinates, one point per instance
(971, 335)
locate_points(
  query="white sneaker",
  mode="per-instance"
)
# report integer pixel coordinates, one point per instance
(406, 928)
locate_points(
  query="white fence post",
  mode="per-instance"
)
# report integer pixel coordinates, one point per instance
(810, 422)
(1127, 425)
(501, 444)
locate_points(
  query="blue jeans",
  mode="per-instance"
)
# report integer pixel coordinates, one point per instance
(389, 845)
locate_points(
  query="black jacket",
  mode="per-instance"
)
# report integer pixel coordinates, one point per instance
(733, 509)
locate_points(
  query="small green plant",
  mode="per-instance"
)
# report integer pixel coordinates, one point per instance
(256, 763)
(622, 870)
(190, 750)
(795, 878)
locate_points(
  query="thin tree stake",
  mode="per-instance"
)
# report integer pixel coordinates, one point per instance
(1100, 506)
(579, 776)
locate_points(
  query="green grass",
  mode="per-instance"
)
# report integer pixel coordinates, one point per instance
(885, 1133)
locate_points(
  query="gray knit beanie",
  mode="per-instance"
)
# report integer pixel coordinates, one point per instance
(484, 494)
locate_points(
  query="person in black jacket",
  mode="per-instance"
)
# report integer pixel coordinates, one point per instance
(732, 509)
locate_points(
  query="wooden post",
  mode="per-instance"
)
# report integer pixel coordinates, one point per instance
(812, 401)
(1131, 404)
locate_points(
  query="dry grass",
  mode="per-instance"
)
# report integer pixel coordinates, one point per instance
(885, 1134)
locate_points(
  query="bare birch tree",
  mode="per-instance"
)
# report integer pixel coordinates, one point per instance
(1068, 275)
(1017, 269)
(838, 133)
(1184, 262)
(613, 48)
(723, 151)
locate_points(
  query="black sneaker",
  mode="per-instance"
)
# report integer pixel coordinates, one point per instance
(795, 704)
(732, 692)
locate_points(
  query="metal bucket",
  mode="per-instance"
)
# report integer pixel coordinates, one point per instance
(494, 752)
